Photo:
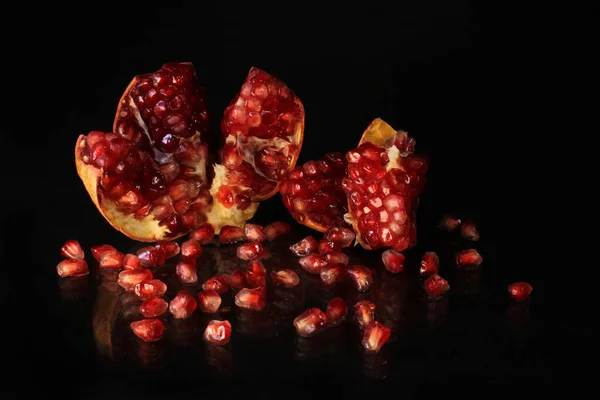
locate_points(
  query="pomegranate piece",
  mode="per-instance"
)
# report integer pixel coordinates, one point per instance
(73, 267)
(209, 301)
(151, 256)
(217, 332)
(150, 288)
(171, 249)
(231, 234)
(255, 233)
(98, 251)
(153, 307)
(469, 231)
(468, 259)
(364, 313)
(436, 286)
(310, 322)
(361, 276)
(112, 259)
(313, 193)
(250, 251)
(326, 247)
(277, 229)
(191, 249)
(313, 264)
(252, 299)
(129, 278)
(306, 246)
(72, 250)
(519, 291)
(336, 311)
(375, 336)
(203, 234)
(336, 257)
(186, 271)
(285, 277)
(182, 305)
(131, 262)
(149, 330)
(430, 263)
(449, 223)
(342, 237)
(393, 261)
(333, 274)
(217, 283)
(256, 274)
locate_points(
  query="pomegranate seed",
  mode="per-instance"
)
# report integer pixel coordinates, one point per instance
(325, 247)
(336, 311)
(182, 305)
(217, 332)
(131, 262)
(342, 237)
(98, 251)
(72, 250)
(112, 259)
(436, 286)
(150, 288)
(362, 277)
(285, 277)
(171, 249)
(153, 307)
(191, 249)
(231, 234)
(72, 268)
(306, 246)
(149, 330)
(310, 322)
(237, 279)
(252, 299)
(393, 261)
(151, 256)
(449, 223)
(250, 251)
(375, 336)
(255, 233)
(468, 259)
(333, 274)
(277, 229)
(313, 264)
(430, 263)
(203, 234)
(337, 257)
(186, 271)
(209, 301)
(256, 274)
(468, 230)
(519, 291)
(217, 283)
(364, 313)
(129, 278)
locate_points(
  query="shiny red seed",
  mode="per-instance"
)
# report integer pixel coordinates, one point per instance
(393, 261)
(252, 299)
(430, 263)
(256, 274)
(519, 291)
(209, 301)
(231, 234)
(469, 231)
(191, 249)
(150, 288)
(343, 237)
(361, 276)
(217, 283)
(186, 271)
(129, 278)
(149, 330)
(171, 249)
(326, 246)
(203, 234)
(250, 251)
(364, 313)
(217, 332)
(336, 257)
(150, 256)
(277, 229)
(255, 233)
(306, 246)
(285, 277)
(310, 322)
(131, 262)
(112, 259)
(153, 307)
(449, 223)
(98, 251)
(72, 250)
(313, 264)
(375, 336)
(336, 311)
(72, 268)
(333, 274)
(182, 305)
(237, 279)
(436, 286)
(468, 259)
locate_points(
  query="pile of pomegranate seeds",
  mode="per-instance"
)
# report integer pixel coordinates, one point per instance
(342, 237)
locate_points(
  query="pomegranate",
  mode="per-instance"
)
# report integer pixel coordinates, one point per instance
(341, 237)
(337, 257)
(149, 330)
(306, 246)
(231, 234)
(153, 307)
(191, 249)
(336, 311)
(393, 261)
(313, 193)
(72, 268)
(382, 185)
(217, 332)
(112, 259)
(131, 261)
(375, 336)
(310, 322)
(250, 251)
(330, 275)
(237, 279)
(170, 249)
(251, 299)
(72, 250)
(150, 288)
(325, 247)
(519, 291)
(151, 256)
(361, 276)
(209, 301)
(217, 283)
(129, 278)
(313, 264)
(98, 251)
(468, 259)
(285, 277)
(203, 234)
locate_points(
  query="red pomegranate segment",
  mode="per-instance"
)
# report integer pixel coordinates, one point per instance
(325, 247)
(153, 307)
(72, 268)
(98, 251)
(252, 299)
(342, 237)
(250, 251)
(519, 291)
(285, 277)
(129, 278)
(313, 264)
(430, 263)
(149, 330)
(217, 332)
(436, 286)
(255, 233)
(171, 249)
(361, 276)
(336, 311)
(191, 249)
(217, 283)
(203, 234)
(256, 274)
(186, 271)
(72, 250)
(393, 261)
(364, 313)
(331, 275)
(306, 246)
(151, 256)
(310, 322)
(277, 229)
(209, 301)
(469, 231)
(337, 257)
(468, 259)
(182, 305)
(237, 279)
(131, 262)
(232, 234)
(375, 336)
(313, 193)
(112, 259)
(449, 223)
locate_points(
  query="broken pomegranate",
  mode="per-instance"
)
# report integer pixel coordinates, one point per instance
(469, 231)
(306, 246)
(217, 283)
(436, 286)
(255, 233)
(250, 251)
(112, 259)
(232, 234)
(191, 249)
(72, 268)
(72, 250)
(330, 275)
(150, 288)
(151, 256)
(375, 336)
(170, 249)
(129, 278)
(449, 223)
(203, 234)
(383, 183)
(310, 322)
(285, 277)
(364, 313)
(277, 229)
(313, 264)
(361, 276)
(153, 307)
(182, 305)
(186, 271)
(251, 299)
(336, 311)
(209, 301)
(430, 263)
(393, 261)
(256, 274)
(131, 262)
(468, 259)
(98, 251)
(217, 332)
(519, 291)
(149, 330)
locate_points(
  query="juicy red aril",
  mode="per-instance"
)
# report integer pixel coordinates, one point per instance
(255, 233)
(342, 237)
(153, 307)
(150, 256)
(252, 299)
(171, 249)
(336, 311)
(209, 301)
(333, 274)
(131, 262)
(449, 223)
(231, 234)
(150, 288)
(149, 330)
(256, 274)
(361, 276)
(393, 261)
(72, 268)
(277, 229)
(364, 313)
(186, 271)
(436, 286)
(325, 246)
(310, 322)
(469, 231)
(72, 250)
(237, 279)
(375, 336)
(285, 277)
(203, 234)
(182, 305)
(112, 259)
(468, 259)
(306, 246)
(336, 257)
(250, 251)
(217, 283)
(313, 264)
(217, 332)
(430, 263)
(129, 278)
(519, 291)
(98, 251)
(191, 249)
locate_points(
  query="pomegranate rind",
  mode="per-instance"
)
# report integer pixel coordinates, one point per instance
(378, 132)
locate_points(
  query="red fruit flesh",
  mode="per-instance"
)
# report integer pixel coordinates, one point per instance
(364, 313)
(342, 237)
(519, 291)
(375, 336)
(112, 259)
(469, 231)
(313, 264)
(149, 330)
(150, 288)
(310, 322)
(336, 311)
(170, 249)
(251, 299)
(436, 286)
(217, 283)
(191, 249)
(468, 259)
(203, 234)
(151, 256)
(256, 274)
(209, 301)
(285, 277)
(129, 278)
(98, 251)
(255, 233)
(430, 263)
(186, 271)
(131, 262)
(153, 307)
(72, 250)
(277, 229)
(68, 268)
(182, 305)
(393, 261)
(217, 332)
(232, 234)
(449, 223)
(306, 246)
(325, 246)
(333, 274)
(237, 279)
(361, 276)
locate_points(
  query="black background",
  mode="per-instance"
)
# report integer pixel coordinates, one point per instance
(438, 70)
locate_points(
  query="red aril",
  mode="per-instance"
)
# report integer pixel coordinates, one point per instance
(336, 311)
(203, 234)
(149, 330)
(250, 251)
(217, 283)
(186, 271)
(72, 250)
(256, 274)
(251, 299)
(131, 262)
(364, 313)
(519, 291)
(170, 249)
(209, 301)
(468, 259)
(449, 223)
(232, 234)
(313, 264)
(306, 246)
(342, 237)
(191, 249)
(436, 286)
(336, 257)
(237, 279)
(277, 229)
(361, 276)
(112, 259)
(151, 256)
(325, 247)
(430, 263)
(393, 261)
(72, 268)
(98, 251)
(182, 305)
(285, 277)
(330, 275)
(469, 231)
(255, 233)
(129, 278)
(153, 307)
(310, 322)
(375, 336)
(150, 288)
(217, 332)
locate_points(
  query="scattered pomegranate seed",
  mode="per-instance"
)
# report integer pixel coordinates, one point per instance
(129, 278)
(326, 246)
(468, 259)
(252, 299)
(306, 246)
(343, 237)
(150, 288)
(182, 305)
(217, 332)
(333, 274)
(256, 274)
(430, 263)
(98, 251)
(336, 311)
(150, 256)
(217, 283)
(337, 257)
(171, 249)
(449, 223)
(250, 251)
(393, 261)
(186, 271)
(310, 322)
(285, 277)
(375, 336)
(469, 231)
(255, 233)
(153, 307)
(131, 262)
(72, 268)
(364, 313)
(191, 249)
(313, 264)
(436, 286)
(519, 291)
(72, 250)
(203, 234)
(149, 330)
(362, 277)
(237, 279)
(209, 301)
(231, 234)
(112, 259)
(277, 229)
